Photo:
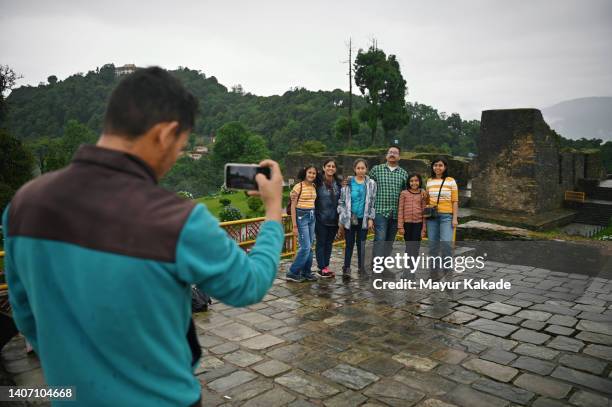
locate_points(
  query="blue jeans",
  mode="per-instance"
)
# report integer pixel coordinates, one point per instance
(325, 240)
(440, 234)
(385, 229)
(302, 263)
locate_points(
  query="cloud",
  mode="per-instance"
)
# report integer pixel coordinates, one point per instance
(457, 56)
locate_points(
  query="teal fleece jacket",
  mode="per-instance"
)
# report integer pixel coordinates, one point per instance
(100, 284)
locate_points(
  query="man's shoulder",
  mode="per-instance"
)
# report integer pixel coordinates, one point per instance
(126, 216)
(39, 185)
(36, 192)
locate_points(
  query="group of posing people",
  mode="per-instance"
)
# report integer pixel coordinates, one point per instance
(386, 198)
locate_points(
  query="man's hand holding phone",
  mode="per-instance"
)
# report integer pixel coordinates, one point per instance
(270, 190)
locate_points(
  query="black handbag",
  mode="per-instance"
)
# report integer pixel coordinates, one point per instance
(199, 300)
(431, 212)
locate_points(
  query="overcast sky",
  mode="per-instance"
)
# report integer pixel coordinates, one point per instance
(458, 55)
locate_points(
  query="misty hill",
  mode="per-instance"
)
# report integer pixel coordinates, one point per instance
(589, 118)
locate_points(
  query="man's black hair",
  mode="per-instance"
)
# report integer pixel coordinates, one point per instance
(394, 146)
(145, 98)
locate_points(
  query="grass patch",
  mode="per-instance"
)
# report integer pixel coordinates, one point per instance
(607, 231)
(239, 200)
(556, 234)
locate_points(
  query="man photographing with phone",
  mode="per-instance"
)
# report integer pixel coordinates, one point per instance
(100, 260)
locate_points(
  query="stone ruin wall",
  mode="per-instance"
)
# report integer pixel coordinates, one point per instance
(519, 167)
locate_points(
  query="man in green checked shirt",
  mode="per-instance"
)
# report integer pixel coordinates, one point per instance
(390, 181)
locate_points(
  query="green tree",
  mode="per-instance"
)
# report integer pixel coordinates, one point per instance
(606, 156)
(380, 81)
(8, 77)
(236, 143)
(16, 163)
(107, 73)
(41, 148)
(313, 147)
(191, 143)
(62, 150)
(255, 149)
(393, 111)
(200, 177)
(341, 128)
(52, 80)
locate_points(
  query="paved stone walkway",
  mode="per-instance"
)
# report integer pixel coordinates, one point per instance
(545, 342)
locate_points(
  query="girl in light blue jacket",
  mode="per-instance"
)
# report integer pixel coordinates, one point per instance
(356, 209)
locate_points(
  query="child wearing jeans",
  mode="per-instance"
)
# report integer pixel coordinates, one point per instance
(410, 221)
(303, 197)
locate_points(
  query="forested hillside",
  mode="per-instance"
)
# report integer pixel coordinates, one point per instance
(284, 121)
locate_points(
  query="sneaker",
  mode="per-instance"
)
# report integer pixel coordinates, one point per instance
(294, 278)
(326, 273)
(310, 277)
(346, 273)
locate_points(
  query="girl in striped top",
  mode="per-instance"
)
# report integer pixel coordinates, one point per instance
(303, 198)
(442, 192)
(410, 221)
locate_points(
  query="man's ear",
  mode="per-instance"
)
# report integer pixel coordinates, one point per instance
(167, 134)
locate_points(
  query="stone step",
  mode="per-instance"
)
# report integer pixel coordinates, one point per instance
(593, 213)
(602, 193)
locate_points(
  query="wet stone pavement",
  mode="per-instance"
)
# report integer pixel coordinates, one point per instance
(547, 341)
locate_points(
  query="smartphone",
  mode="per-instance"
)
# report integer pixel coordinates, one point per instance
(242, 176)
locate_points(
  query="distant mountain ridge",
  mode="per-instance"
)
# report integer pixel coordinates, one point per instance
(588, 117)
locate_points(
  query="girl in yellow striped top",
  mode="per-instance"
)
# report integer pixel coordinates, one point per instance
(303, 198)
(442, 192)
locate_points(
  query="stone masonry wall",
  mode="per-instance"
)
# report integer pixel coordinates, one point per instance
(517, 168)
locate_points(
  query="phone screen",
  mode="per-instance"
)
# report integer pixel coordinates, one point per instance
(242, 176)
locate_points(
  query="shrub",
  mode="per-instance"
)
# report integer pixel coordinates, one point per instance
(313, 147)
(185, 194)
(225, 190)
(229, 213)
(225, 202)
(254, 203)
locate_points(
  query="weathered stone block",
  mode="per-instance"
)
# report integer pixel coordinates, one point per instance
(517, 154)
